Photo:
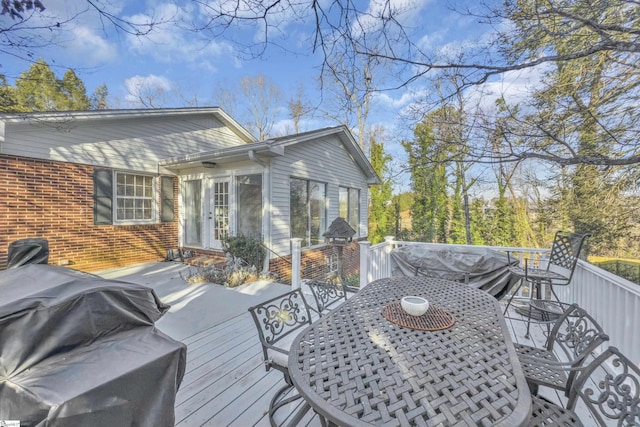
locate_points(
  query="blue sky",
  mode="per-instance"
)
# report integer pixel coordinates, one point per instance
(188, 64)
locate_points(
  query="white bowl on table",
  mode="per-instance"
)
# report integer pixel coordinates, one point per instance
(415, 306)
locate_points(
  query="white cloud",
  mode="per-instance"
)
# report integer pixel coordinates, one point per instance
(170, 43)
(514, 86)
(94, 49)
(406, 98)
(404, 11)
(147, 91)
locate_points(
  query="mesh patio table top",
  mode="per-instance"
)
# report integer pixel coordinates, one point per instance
(356, 368)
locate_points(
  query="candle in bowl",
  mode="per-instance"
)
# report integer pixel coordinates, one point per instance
(415, 306)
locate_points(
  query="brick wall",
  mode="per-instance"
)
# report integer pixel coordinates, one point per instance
(315, 263)
(54, 201)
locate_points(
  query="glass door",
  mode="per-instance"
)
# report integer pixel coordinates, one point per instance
(218, 212)
(193, 213)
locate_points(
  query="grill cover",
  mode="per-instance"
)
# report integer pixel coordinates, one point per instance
(80, 350)
(482, 268)
(27, 251)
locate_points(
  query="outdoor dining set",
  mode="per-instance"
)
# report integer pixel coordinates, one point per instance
(360, 357)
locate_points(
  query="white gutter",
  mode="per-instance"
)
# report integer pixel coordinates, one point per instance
(254, 158)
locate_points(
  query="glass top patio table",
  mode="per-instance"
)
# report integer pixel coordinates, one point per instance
(356, 368)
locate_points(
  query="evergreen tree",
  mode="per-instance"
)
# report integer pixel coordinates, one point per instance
(99, 98)
(479, 227)
(7, 96)
(37, 89)
(429, 179)
(380, 215)
(457, 228)
(74, 93)
(583, 111)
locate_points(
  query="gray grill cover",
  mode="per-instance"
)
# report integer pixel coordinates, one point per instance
(79, 350)
(27, 251)
(486, 269)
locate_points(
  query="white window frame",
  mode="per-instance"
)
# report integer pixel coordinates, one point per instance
(306, 241)
(350, 191)
(154, 199)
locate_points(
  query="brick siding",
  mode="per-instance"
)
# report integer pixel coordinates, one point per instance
(315, 263)
(54, 201)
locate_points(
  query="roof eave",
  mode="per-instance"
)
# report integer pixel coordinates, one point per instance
(222, 156)
(235, 127)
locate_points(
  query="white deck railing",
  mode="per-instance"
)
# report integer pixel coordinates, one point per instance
(613, 301)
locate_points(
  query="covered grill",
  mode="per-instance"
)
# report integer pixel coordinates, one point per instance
(482, 268)
(79, 350)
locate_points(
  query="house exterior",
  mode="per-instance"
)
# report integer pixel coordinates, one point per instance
(118, 187)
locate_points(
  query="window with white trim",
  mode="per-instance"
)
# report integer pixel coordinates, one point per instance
(308, 210)
(124, 198)
(135, 198)
(349, 207)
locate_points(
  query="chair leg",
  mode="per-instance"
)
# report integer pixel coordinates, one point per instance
(536, 288)
(520, 282)
(554, 294)
(278, 402)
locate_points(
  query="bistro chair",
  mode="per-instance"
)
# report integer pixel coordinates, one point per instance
(561, 264)
(279, 320)
(327, 295)
(575, 335)
(608, 387)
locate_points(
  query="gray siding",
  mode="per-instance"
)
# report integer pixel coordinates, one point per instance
(325, 160)
(126, 143)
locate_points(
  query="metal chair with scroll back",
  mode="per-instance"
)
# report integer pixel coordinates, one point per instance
(559, 269)
(608, 388)
(279, 320)
(575, 335)
(327, 294)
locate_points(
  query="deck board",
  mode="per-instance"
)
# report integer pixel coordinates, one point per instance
(225, 383)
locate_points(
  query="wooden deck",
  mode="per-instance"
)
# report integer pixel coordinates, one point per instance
(226, 384)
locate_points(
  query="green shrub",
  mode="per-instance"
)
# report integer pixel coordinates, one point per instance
(352, 281)
(247, 249)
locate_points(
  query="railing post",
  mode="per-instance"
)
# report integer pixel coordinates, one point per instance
(364, 263)
(296, 243)
(388, 240)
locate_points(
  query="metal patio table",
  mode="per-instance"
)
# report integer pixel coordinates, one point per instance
(356, 368)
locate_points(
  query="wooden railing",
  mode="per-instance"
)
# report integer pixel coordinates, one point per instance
(613, 301)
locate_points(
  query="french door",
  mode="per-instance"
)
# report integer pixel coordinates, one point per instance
(218, 213)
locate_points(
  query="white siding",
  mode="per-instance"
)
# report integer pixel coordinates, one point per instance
(126, 143)
(325, 160)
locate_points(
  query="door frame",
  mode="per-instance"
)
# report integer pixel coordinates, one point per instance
(208, 239)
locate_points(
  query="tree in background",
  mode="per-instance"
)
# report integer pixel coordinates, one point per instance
(74, 94)
(380, 214)
(581, 111)
(99, 98)
(257, 108)
(7, 97)
(352, 84)
(38, 89)
(299, 107)
(429, 184)
(262, 97)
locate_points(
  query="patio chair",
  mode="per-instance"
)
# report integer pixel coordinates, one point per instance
(559, 269)
(327, 295)
(279, 320)
(608, 387)
(576, 334)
